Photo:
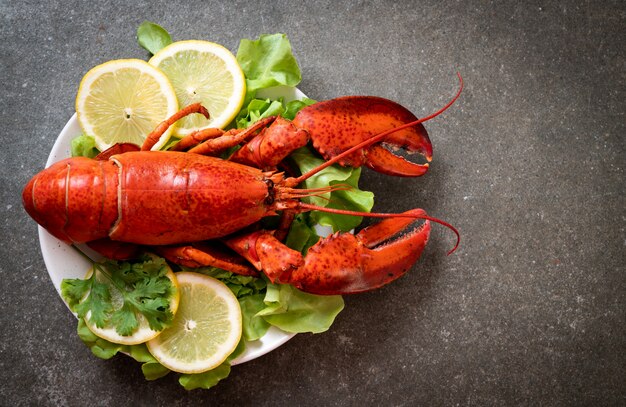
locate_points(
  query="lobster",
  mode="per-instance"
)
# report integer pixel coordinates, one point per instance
(197, 209)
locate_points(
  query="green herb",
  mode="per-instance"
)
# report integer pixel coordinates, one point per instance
(141, 288)
(153, 37)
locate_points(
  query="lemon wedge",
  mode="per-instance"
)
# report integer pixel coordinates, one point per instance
(205, 72)
(206, 329)
(122, 101)
(143, 333)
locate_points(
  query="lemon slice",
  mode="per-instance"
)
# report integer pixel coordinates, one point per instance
(143, 333)
(205, 72)
(123, 101)
(206, 329)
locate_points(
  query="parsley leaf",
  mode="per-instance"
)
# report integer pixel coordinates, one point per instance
(117, 293)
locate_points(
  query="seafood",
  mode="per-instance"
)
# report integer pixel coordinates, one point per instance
(197, 209)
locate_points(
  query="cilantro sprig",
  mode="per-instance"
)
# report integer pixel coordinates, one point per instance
(116, 293)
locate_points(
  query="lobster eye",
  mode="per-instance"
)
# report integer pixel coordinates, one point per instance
(270, 191)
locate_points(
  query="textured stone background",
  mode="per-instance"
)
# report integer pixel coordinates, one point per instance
(529, 164)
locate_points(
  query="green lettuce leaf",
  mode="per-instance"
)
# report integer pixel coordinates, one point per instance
(99, 347)
(266, 62)
(152, 37)
(208, 379)
(254, 326)
(294, 106)
(258, 109)
(302, 234)
(204, 380)
(352, 199)
(295, 311)
(84, 146)
(150, 367)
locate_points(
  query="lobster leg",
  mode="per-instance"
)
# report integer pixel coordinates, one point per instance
(286, 219)
(203, 255)
(272, 145)
(196, 138)
(229, 139)
(341, 263)
(115, 250)
(156, 134)
(119, 148)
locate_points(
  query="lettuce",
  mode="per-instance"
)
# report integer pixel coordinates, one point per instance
(258, 109)
(104, 349)
(84, 146)
(352, 199)
(295, 311)
(210, 378)
(302, 233)
(267, 62)
(152, 37)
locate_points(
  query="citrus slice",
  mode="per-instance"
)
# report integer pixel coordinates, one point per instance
(143, 333)
(206, 329)
(122, 101)
(205, 72)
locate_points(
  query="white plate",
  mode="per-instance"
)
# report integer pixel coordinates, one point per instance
(62, 261)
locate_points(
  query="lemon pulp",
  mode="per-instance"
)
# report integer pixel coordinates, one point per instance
(204, 72)
(123, 101)
(206, 329)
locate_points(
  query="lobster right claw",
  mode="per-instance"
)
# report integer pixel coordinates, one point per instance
(347, 264)
(336, 125)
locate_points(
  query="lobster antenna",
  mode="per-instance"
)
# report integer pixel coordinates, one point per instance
(385, 215)
(377, 138)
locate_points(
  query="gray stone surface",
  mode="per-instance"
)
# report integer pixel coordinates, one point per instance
(529, 165)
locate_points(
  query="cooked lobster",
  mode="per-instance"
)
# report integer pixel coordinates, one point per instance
(181, 202)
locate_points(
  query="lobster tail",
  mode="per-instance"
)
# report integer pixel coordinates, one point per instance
(74, 199)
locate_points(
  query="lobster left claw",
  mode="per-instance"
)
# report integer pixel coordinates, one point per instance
(338, 124)
(343, 263)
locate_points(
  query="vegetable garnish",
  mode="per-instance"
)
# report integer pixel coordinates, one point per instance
(123, 302)
(153, 37)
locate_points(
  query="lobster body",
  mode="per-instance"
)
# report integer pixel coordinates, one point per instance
(171, 197)
(148, 198)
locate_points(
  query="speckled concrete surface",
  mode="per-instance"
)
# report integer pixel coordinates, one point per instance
(529, 165)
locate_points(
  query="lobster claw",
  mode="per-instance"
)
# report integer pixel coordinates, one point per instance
(338, 124)
(347, 264)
